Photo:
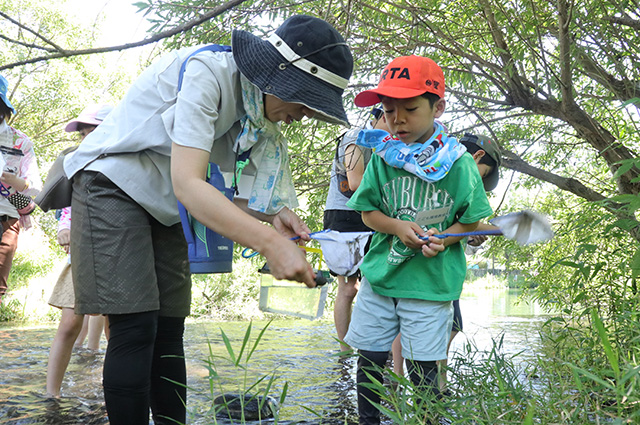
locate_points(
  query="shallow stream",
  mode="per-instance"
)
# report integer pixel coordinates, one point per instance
(300, 352)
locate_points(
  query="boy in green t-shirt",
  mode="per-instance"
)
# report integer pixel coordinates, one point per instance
(420, 183)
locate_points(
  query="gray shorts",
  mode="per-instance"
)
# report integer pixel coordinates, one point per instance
(376, 320)
(123, 260)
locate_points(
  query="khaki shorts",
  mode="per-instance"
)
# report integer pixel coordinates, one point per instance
(62, 295)
(123, 260)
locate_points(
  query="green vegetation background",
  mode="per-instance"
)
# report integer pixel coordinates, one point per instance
(556, 84)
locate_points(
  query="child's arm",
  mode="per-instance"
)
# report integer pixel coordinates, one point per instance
(458, 227)
(409, 232)
(477, 240)
(354, 163)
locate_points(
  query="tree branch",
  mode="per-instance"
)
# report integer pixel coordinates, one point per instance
(564, 42)
(512, 161)
(27, 45)
(156, 37)
(624, 90)
(624, 20)
(24, 27)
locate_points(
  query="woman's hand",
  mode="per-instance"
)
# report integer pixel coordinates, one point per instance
(288, 224)
(288, 261)
(12, 180)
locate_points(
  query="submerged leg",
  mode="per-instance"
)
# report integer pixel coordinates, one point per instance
(61, 348)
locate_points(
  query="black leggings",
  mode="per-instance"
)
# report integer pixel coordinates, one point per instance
(142, 351)
(423, 374)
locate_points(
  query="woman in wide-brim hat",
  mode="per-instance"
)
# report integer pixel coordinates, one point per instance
(192, 107)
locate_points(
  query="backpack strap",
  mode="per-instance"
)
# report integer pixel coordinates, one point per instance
(243, 159)
(209, 48)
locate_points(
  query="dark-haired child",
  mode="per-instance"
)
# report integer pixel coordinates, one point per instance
(419, 184)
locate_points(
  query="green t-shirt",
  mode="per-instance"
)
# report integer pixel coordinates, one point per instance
(393, 269)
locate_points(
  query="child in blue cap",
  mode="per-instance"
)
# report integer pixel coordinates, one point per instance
(20, 176)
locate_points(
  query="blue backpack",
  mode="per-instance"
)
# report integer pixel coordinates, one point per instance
(209, 252)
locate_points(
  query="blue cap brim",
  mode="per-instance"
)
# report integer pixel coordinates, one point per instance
(6, 102)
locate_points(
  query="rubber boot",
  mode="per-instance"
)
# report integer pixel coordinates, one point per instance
(424, 376)
(373, 362)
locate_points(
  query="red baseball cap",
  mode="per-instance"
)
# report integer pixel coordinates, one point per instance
(405, 77)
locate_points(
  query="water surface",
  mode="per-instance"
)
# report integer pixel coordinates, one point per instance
(300, 352)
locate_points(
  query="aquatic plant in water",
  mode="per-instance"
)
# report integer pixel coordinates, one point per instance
(252, 397)
(486, 387)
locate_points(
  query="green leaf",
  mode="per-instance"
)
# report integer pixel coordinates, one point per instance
(577, 380)
(632, 101)
(227, 344)
(245, 341)
(625, 166)
(592, 377)
(528, 420)
(141, 5)
(258, 339)
(569, 264)
(283, 395)
(606, 344)
(631, 373)
(635, 264)
(581, 296)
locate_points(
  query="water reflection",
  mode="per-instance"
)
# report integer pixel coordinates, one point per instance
(299, 352)
(489, 314)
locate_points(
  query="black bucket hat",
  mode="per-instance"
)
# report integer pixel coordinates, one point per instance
(305, 61)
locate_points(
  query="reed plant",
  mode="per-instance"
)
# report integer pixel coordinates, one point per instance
(527, 387)
(587, 375)
(487, 387)
(233, 397)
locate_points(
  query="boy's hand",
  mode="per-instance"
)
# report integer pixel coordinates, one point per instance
(432, 245)
(64, 239)
(476, 240)
(409, 233)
